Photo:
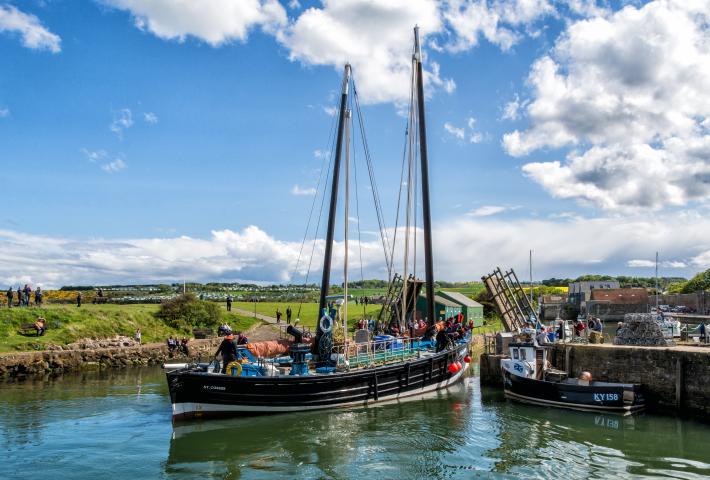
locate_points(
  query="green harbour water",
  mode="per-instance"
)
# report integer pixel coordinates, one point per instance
(116, 425)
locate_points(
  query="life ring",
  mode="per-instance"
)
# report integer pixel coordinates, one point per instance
(235, 365)
(326, 324)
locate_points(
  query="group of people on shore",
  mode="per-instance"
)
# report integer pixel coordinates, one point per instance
(24, 296)
(175, 345)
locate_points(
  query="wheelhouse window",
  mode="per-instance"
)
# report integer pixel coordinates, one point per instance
(515, 353)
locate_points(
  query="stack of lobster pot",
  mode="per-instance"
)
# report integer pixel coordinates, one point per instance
(641, 329)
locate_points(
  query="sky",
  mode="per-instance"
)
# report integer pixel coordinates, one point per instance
(161, 140)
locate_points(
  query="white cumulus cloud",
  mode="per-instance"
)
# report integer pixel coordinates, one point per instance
(641, 263)
(114, 166)
(330, 111)
(94, 155)
(34, 35)
(375, 37)
(487, 210)
(630, 93)
(601, 245)
(122, 120)
(303, 191)
(500, 22)
(213, 21)
(456, 132)
(150, 117)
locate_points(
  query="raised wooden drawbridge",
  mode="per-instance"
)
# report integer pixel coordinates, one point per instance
(511, 303)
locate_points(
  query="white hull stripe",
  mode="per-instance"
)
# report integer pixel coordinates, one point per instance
(187, 408)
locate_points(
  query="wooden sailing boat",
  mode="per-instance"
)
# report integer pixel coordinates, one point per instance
(388, 370)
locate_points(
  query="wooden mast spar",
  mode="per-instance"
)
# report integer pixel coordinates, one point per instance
(426, 209)
(325, 281)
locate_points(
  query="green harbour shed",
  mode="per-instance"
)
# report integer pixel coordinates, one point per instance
(471, 309)
(443, 307)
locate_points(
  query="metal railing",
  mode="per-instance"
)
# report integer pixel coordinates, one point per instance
(378, 352)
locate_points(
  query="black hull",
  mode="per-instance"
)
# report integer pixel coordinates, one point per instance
(199, 394)
(598, 396)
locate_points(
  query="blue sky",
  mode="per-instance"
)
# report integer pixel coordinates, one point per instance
(145, 140)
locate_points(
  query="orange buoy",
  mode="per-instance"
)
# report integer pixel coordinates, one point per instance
(452, 368)
(467, 359)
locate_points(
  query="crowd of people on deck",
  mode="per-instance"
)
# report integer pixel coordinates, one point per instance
(448, 329)
(24, 296)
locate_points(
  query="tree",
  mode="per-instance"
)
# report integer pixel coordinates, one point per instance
(185, 312)
(698, 283)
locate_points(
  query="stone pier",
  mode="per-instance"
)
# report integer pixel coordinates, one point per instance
(61, 361)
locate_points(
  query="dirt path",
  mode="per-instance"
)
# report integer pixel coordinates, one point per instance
(247, 313)
(263, 333)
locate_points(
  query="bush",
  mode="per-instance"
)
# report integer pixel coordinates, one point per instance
(186, 312)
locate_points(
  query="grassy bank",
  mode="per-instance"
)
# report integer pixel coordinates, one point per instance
(355, 312)
(92, 321)
(309, 311)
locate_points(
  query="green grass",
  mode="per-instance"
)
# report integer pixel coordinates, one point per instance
(471, 291)
(309, 311)
(492, 326)
(93, 321)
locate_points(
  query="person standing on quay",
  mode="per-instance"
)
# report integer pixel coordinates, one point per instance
(137, 336)
(28, 293)
(278, 316)
(229, 303)
(19, 296)
(288, 315)
(9, 297)
(38, 297)
(78, 299)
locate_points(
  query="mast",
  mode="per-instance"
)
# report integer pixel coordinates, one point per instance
(531, 283)
(347, 223)
(325, 281)
(426, 209)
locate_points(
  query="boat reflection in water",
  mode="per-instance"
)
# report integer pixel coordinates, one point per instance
(550, 442)
(380, 440)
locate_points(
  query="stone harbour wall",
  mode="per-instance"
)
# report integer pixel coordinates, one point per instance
(490, 370)
(120, 356)
(675, 379)
(61, 361)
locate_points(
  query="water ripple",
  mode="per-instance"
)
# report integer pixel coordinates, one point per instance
(118, 426)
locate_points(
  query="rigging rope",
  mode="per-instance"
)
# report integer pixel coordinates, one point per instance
(359, 236)
(375, 192)
(320, 213)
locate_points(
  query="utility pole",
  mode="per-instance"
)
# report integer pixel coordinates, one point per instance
(656, 283)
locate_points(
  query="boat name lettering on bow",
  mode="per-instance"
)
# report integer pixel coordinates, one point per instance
(214, 387)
